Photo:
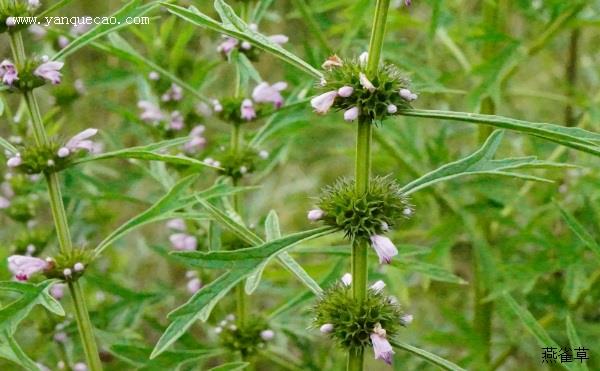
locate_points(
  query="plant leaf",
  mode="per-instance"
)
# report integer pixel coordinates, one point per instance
(138, 356)
(572, 137)
(574, 340)
(235, 27)
(429, 357)
(131, 9)
(481, 162)
(10, 350)
(6, 144)
(579, 230)
(232, 366)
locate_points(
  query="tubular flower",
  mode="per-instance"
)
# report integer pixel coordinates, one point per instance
(23, 267)
(323, 102)
(197, 141)
(381, 347)
(177, 224)
(183, 242)
(247, 110)
(264, 93)
(378, 286)
(227, 45)
(315, 214)
(79, 141)
(14, 161)
(347, 279)
(345, 91)
(8, 72)
(150, 112)
(193, 285)
(50, 71)
(365, 82)
(384, 248)
(175, 93)
(326, 328)
(176, 121)
(351, 114)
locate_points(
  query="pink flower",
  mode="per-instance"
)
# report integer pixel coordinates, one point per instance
(279, 39)
(57, 291)
(194, 285)
(247, 110)
(323, 102)
(177, 224)
(183, 242)
(79, 141)
(365, 82)
(326, 328)
(381, 347)
(408, 95)
(264, 93)
(195, 145)
(175, 93)
(315, 214)
(50, 71)
(391, 108)
(24, 267)
(150, 112)
(227, 45)
(267, 335)
(176, 121)
(14, 161)
(384, 248)
(351, 114)
(80, 366)
(4, 203)
(11, 22)
(345, 91)
(8, 72)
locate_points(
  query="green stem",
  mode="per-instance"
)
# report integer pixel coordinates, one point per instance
(59, 216)
(85, 327)
(360, 250)
(571, 75)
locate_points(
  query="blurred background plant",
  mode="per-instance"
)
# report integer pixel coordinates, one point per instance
(492, 268)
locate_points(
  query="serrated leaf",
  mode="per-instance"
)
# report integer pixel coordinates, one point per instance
(481, 162)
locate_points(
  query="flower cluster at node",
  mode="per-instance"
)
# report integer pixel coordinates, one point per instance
(52, 157)
(348, 87)
(364, 216)
(238, 165)
(248, 339)
(10, 11)
(355, 325)
(229, 44)
(265, 99)
(69, 266)
(34, 73)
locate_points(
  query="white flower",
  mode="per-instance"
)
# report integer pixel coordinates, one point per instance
(407, 95)
(79, 141)
(78, 267)
(24, 267)
(332, 62)
(347, 279)
(345, 91)
(14, 161)
(267, 335)
(217, 107)
(247, 110)
(175, 93)
(315, 214)
(10, 22)
(406, 319)
(63, 41)
(279, 39)
(384, 248)
(246, 45)
(407, 211)
(365, 82)
(263, 154)
(60, 337)
(177, 224)
(326, 328)
(385, 226)
(183, 242)
(8, 72)
(381, 347)
(150, 112)
(33, 3)
(378, 286)
(351, 114)
(218, 330)
(50, 71)
(264, 93)
(363, 59)
(194, 285)
(176, 121)
(391, 108)
(323, 102)
(153, 75)
(80, 366)
(67, 272)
